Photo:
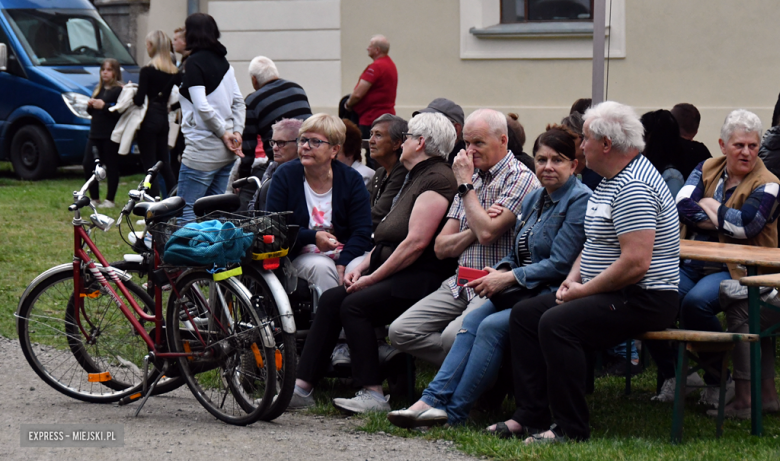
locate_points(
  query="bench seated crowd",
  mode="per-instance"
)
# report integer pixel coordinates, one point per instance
(578, 253)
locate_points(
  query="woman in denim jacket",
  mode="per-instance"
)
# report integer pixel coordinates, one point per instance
(549, 236)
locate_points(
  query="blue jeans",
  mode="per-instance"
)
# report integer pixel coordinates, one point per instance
(699, 304)
(194, 184)
(472, 364)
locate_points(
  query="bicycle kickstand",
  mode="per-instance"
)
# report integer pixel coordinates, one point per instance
(148, 393)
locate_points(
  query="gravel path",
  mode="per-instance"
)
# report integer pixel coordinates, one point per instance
(176, 427)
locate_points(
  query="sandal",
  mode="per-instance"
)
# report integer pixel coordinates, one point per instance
(539, 438)
(502, 431)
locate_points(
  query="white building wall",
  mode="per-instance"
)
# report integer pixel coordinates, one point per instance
(303, 38)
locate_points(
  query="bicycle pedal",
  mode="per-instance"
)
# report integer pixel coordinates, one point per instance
(130, 399)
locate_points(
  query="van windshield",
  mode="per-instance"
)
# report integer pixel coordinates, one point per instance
(67, 37)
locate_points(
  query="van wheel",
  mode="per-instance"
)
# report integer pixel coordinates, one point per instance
(32, 153)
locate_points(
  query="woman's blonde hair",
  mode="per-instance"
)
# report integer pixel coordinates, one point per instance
(327, 125)
(117, 80)
(161, 52)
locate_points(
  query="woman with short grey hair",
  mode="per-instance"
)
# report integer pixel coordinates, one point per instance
(401, 269)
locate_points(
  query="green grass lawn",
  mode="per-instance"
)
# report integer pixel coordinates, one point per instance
(36, 235)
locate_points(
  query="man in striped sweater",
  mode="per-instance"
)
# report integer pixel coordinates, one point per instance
(623, 283)
(274, 99)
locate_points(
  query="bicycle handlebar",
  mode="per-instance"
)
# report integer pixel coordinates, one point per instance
(239, 183)
(140, 194)
(80, 202)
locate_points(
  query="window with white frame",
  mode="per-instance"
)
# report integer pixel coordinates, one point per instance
(513, 11)
(537, 29)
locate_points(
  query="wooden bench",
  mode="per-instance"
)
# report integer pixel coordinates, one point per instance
(692, 342)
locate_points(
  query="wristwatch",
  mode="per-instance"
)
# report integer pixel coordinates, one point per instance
(464, 189)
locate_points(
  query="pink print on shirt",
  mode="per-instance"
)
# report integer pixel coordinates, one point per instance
(317, 216)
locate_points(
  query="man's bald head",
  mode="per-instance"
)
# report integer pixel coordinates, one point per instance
(380, 43)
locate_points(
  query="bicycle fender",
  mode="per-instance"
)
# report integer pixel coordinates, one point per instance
(282, 301)
(67, 267)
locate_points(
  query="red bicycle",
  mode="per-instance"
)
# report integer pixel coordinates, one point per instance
(94, 335)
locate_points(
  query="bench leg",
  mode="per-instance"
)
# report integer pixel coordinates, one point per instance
(754, 321)
(721, 397)
(679, 393)
(628, 367)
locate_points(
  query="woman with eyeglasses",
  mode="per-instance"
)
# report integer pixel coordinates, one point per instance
(328, 200)
(401, 269)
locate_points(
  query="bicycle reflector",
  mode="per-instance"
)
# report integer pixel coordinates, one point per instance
(270, 264)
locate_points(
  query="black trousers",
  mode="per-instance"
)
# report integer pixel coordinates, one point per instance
(549, 343)
(152, 141)
(108, 153)
(358, 313)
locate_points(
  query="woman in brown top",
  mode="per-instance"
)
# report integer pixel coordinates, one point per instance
(400, 270)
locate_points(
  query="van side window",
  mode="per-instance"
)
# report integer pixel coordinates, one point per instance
(14, 68)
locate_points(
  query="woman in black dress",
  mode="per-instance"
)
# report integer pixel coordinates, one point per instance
(155, 82)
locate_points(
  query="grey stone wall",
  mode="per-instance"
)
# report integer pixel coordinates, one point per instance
(123, 16)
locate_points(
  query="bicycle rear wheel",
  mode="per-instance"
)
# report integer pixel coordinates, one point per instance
(93, 355)
(285, 356)
(172, 379)
(215, 322)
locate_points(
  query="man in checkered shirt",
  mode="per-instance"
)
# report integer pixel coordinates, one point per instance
(488, 175)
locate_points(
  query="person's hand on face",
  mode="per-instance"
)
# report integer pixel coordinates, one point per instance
(463, 167)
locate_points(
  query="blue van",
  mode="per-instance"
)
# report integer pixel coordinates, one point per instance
(50, 56)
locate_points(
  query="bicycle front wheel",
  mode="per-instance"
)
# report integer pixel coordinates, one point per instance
(216, 324)
(285, 356)
(91, 354)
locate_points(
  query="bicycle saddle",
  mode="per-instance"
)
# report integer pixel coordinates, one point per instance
(160, 211)
(224, 202)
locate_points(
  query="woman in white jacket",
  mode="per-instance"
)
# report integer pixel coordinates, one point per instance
(213, 113)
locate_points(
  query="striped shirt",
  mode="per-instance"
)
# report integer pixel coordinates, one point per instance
(274, 101)
(505, 184)
(635, 199)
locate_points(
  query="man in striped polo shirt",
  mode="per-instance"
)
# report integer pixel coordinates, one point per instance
(274, 99)
(624, 282)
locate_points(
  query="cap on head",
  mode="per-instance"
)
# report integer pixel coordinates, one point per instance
(444, 106)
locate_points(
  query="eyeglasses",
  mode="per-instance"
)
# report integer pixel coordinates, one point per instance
(411, 135)
(312, 142)
(280, 143)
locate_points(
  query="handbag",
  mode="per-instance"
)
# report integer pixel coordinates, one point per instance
(507, 298)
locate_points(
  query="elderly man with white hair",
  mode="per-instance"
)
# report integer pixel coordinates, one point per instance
(623, 283)
(489, 177)
(729, 199)
(274, 99)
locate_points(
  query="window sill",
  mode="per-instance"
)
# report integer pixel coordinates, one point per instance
(579, 29)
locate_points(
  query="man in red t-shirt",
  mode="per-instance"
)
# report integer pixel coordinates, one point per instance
(374, 93)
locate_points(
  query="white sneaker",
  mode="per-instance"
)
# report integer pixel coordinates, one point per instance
(693, 382)
(340, 355)
(711, 394)
(106, 204)
(301, 401)
(364, 401)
